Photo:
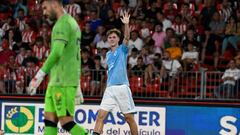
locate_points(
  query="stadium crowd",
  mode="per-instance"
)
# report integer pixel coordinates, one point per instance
(167, 37)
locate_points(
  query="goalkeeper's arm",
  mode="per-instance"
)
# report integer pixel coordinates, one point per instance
(56, 52)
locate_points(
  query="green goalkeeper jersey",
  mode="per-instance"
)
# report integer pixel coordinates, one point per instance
(63, 63)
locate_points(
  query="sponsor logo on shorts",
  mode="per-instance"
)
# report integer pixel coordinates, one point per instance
(58, 97)
(19, 119)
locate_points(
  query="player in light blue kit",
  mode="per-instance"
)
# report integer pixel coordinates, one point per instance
(117, 93)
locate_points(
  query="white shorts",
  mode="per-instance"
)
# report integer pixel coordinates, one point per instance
(118, 96)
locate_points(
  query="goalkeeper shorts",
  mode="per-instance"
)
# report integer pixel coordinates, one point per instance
(60, 100)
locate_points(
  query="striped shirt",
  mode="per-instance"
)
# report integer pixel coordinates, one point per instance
(179, 28)
(39, 51)
(73, 9)
(28, 36)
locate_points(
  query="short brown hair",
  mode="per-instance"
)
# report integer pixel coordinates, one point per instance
(114, 30)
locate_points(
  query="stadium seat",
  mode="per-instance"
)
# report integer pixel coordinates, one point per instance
(136, 84)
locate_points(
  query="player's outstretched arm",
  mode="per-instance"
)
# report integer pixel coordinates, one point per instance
(125, 19)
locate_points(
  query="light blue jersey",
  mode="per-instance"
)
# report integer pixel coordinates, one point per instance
(117, 66)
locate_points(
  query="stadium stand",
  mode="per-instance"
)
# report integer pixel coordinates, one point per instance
(203, 36)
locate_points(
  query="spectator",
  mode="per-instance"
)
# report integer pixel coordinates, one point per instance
(104, 7)
(217, 25)
(178, 26)
(190, 57)
(104, 57)
(161, 19)
(146, 55)
(103, 42)
(169, 34)
(170, 70)
(11, 63)
(197, 27)
(94, 20)
(87, 36)
(152, 10)
(229, 77)
(73, 9)
(199, 5)
(100, 32)
(39, 49)
(138, 12)
(213, 39)
(171, 10)
(139, 68)
(207, 12)
(97, 77)
(175, 51)
(159, 37)
(17, 46)
(29, 58)
(34, 9)
(152, 71)
(28, 35)
(87, 62)
(135, 41)
(225, 10)
(20, 6)
(10, 36)
(8, 24)
(21, 20)
(190, 37)
(132, 59)
(21, 56)
(232, 34)
(44, 31)
(144, 31)
(6, 52)
(186, 12)
(112, 21)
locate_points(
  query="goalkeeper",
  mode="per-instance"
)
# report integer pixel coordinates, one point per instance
(63, 64)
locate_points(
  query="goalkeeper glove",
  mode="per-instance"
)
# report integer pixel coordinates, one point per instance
(79, 96)
(35, 82)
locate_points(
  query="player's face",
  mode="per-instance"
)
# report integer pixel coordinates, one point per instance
(48, 10)
(113, 39)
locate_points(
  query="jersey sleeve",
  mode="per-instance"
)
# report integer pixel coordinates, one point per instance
(61, 33)
(124, 48)
(56, 52)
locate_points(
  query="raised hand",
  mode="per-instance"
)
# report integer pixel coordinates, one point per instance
(125, 17)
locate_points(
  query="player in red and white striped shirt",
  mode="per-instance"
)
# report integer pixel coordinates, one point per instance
(72, 8)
